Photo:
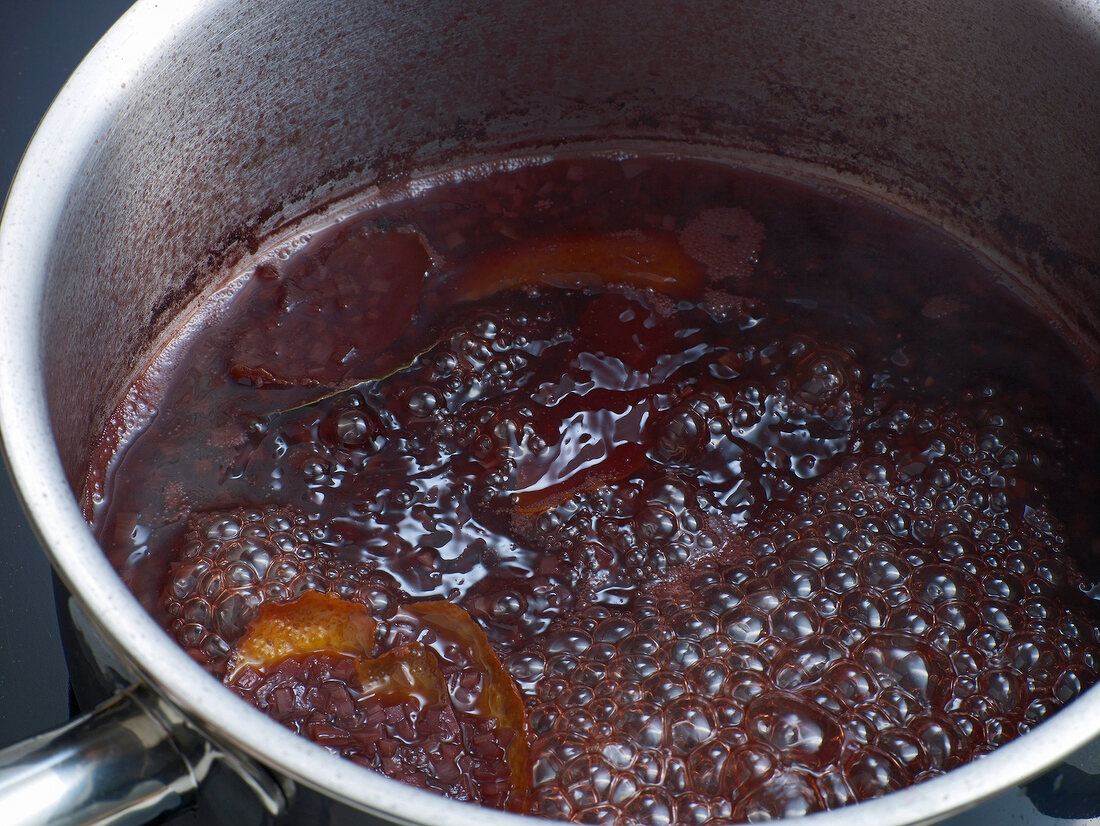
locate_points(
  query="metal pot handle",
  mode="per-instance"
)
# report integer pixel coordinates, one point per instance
(128, 761)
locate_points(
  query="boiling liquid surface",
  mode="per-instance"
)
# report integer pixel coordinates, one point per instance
(768, 499)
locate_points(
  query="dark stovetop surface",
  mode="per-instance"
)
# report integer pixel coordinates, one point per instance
(40, 45)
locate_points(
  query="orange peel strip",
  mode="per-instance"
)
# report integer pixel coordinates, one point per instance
(646, 260)
(313, 623)
(500, 698)
(318, 623)
(407, 671)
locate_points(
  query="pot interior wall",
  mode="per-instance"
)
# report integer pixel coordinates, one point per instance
(989, 122)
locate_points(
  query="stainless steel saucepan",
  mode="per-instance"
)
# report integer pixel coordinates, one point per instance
(194, 128)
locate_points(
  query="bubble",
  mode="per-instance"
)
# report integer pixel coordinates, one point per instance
(690, 724)
(235, 611)
(656, 523)
(872, 773)
(794, 620)
(796, 579)
(526, 668)
(651, 807)
(743, 624)
(223, 529)
(901, 660)
(1068, 686)
(642, 723)
(423, 401)
(806, 661)
(795, 728)
(682, 435)
(214, 647)
(577, 642)
(867, 609)
(883, 569)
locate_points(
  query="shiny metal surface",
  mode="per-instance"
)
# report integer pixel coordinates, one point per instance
(122, 765)
(194, 128)
(128, 762)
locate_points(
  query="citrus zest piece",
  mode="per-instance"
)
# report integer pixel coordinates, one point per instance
(646, 260)
(314, 622)
(499, 698)
(409, 671)
(318, 623)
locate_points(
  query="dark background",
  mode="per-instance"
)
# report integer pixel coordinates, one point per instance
(41, 42)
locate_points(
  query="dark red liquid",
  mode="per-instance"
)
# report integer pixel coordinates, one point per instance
(792, 509)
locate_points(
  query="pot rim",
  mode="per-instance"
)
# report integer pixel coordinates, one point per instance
(33, 212)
